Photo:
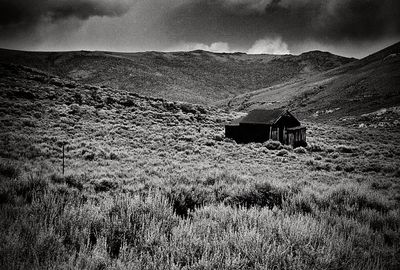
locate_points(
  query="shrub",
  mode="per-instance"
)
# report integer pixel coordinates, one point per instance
(185, 199)
(381, 184)
(314, 148)
(22, 188)
(219, 138)
(74, 108)
(113, 156)
(260, 194)
(322, 166)
(209, 143)
(9, 170)
(300, 150)
(88, 156)
(349, 168)
(288, 147)
(282, 153)
(105, 186)
(350, 200)
(372, 167)
(73, 181)
(273, 145)
(334, 155)
(346, 149)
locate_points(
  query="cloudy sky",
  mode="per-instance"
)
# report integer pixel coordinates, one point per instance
(346, 27)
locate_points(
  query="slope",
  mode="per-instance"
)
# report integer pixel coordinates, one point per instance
(360, 87)
(197, 76)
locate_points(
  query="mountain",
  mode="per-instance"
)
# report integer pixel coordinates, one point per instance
(197, 76)
(360, 87)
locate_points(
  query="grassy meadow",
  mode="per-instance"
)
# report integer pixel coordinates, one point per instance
(152, 184)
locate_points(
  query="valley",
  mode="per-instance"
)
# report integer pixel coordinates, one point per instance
(151, 182)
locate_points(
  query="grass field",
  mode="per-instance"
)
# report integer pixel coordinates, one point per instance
(151, 184)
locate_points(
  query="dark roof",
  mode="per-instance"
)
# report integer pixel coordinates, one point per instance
(262, 116)
(235, 122)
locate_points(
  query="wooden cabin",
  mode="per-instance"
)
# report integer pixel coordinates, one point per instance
(261, 125)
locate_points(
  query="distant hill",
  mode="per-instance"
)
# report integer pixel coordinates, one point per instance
(197, 76)
(357, 88)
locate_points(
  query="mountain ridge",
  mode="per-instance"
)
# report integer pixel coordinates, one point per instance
(197, 77)
(362, 86)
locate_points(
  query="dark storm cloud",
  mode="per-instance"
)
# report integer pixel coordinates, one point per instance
(20, 14)
(243, 21)
(351, 27)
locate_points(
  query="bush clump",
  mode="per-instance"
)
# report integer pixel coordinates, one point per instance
(105, 186)
(185, 199)
(273, 145)
(9, 170)
(314, 148)
(282, 153)
(260, 194)
(300, 150)
(346, 149)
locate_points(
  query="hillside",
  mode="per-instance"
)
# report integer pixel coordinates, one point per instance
(360, 87)
(197, 76)
(153, 184)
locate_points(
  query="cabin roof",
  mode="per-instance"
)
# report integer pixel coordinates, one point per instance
(235, 122)
(262, 116)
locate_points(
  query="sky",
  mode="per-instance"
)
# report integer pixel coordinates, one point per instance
(353, 28)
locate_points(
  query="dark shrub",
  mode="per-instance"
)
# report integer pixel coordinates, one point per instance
(128, 102)
(209, 143)
(185, 199)
(105, 186)
(261, 195)
(381, 184)
(373, 167)
(300, 150)
(74, 181)
(349, 201)
(319, 166)
(282, 153)
(32, 185)
(314, 148)
(348, 168)
(70, 180)
(89, 156)
(9, 170)
(114, 242)
(273, 145)
(188, 108)
(113, 156)
(24, 94)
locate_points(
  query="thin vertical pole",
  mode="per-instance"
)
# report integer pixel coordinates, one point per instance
(63, 157)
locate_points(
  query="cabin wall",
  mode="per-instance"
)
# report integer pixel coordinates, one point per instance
(246, 133)
(297, 137)
(254, 133)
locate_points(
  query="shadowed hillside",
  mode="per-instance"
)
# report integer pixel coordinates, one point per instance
(197, 76)
(360, 87)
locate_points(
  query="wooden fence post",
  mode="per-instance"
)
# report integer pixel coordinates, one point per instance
(63, 162)
(64, 143)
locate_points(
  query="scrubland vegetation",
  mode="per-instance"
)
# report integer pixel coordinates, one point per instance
(151, 184)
